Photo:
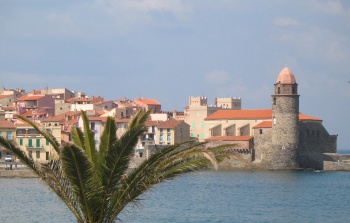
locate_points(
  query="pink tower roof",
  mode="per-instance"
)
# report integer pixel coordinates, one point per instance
(286, 76)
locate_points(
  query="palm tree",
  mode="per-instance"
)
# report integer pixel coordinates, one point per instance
(95, 183)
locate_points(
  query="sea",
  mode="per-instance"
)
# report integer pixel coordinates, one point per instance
(203, 197)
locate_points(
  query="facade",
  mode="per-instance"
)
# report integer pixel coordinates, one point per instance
(148, 103)
(199, 109)
(36, 102)
(33, 143)
(283, 138)
(172, 132)
(7, 131)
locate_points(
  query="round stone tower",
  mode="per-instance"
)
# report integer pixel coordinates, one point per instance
(285, 119)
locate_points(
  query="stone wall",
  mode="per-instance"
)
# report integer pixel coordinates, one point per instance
(262, 144)
(314, 142)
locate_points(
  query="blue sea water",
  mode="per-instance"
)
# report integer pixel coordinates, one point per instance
(209, 196)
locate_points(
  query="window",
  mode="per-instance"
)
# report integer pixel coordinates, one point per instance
(161, 137)
(30, 154)
(193, 124)
(278, 90)
(203, 124)
(9, 135)
(260, 131)
(274, 101)
(21, 142)
(0, 133)
(38, 154)
(92, 125)
(37, 143)
(47, 155)
(30, 143)
(168, 130)
(47, 142)
(202, 135)
(168, 137)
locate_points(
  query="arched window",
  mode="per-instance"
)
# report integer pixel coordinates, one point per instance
(278, 90)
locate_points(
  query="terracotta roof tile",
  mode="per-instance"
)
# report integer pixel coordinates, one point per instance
(169, 124)
(241, 114)
(7, 124)
(303, 117)
(264, 124)
(30, 97)
(229, 138)
(147, 101)
(4, 96)
(152, 123)
(122, 120)
(251, 114)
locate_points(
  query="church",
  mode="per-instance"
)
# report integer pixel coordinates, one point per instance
(279, 138)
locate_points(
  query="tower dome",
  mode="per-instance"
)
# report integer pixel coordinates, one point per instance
(286, 76)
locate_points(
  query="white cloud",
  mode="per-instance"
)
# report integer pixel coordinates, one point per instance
(286, 21)
(218, 77)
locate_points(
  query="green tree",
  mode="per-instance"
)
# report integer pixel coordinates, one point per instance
(95, 183)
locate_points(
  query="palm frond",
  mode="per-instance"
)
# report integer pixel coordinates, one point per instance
(79, 171)
(89, 146)
(162, 166)
(54, 177)
(78, 137)
(109, 136)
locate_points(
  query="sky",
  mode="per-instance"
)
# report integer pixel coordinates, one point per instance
(170, 50)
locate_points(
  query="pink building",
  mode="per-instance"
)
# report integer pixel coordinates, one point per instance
(148, 103)
(44, 104)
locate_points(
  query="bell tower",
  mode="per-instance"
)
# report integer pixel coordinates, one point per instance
(285, 119)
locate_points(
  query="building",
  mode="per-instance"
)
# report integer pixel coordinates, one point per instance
(148, 103)
(33, 143)
(283, 138)
(7, 131)
(172, 132)
(35, 104)
(198, 109)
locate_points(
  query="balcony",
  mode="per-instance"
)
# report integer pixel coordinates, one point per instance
(28, 135)
(35, 146)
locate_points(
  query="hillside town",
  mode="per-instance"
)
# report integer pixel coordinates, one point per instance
(59, 109)
(277, 138)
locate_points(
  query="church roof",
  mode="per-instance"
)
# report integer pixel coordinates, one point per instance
(229, 138)
(257, 114)
(241, 114)
(264, 124)
(286, 76)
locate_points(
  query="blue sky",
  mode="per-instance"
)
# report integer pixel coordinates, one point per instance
(172, 49)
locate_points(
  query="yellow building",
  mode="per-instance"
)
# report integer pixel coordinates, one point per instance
(7, 131)
(34, 144)
(171, 132)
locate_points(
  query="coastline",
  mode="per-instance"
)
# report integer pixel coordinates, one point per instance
(17, 173)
